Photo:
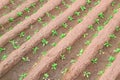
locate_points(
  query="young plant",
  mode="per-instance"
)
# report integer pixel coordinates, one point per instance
(107, 44)
(40, 20)
(69, 48)
(54, 44)
(22, 76)
(94, 61)
(85, 35)
(117, 28)
(45, 76)
(54, 33)
(87, 42)
(4, 57)
(35, 49)
(19, 14)
(28, 37)
(25, 59)
(99, 28)
(41, 1)
(22, 34)
(97, 21)
(44, 53)
(101, 15)
(77, 13)
(101, 72)
(88, 1)
(27, 9)
(44, 42)
(2, 49)
(83, 8)
(111, 59)
(64, 25)
(80, 52)
(117, 50)
(70, 18)
(115, 11)
(113, 4)
(72, 61)
(11, 19)
(62, 35)
(91, 27)
(112, 36)
(33, 5)
(79, 20)
(54, 66)
(14, 44)
(64, 71)
(87, 74)
(62, 57)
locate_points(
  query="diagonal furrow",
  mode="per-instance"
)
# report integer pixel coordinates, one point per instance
(25, 24)
(92, 49)
(112, 72)
(13, 58)
(3, 3)
(71, 37)
(13, 14)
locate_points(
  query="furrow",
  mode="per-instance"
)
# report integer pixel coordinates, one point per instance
(13, 14)
(25, 24)
(95, 45)
(55, 52)
(112, 72)
(13, 58)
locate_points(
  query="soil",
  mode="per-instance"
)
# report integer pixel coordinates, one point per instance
(33, 67)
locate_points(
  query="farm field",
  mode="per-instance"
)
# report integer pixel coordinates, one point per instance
(60, 40)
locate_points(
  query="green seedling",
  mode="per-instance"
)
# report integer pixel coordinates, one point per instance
(44, 42)
(14, 44)
(22, 76)
(54, 66)
(28, 37)
(107, 44)
(4, 57)
(22, 34)
(27, 9)
(54, 33)
(19, 14)
(62, 35)
(46, 76)
(2, 49)
(64, 25)
(80, 52)
(11, 19)
(94, 61)
(83, 8)
(117, 50)
(101, 15)
(62, 57)
(111, 59)
(77, 13)
(79, 20)
(112, 36)
(99, 28)
(25, 59)
(35, 49)
(70, 18)
(64, 71)
(87, 74)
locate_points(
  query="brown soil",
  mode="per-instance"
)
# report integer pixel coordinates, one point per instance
(77, 35)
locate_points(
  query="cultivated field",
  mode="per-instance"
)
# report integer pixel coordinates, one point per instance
(59, 40)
